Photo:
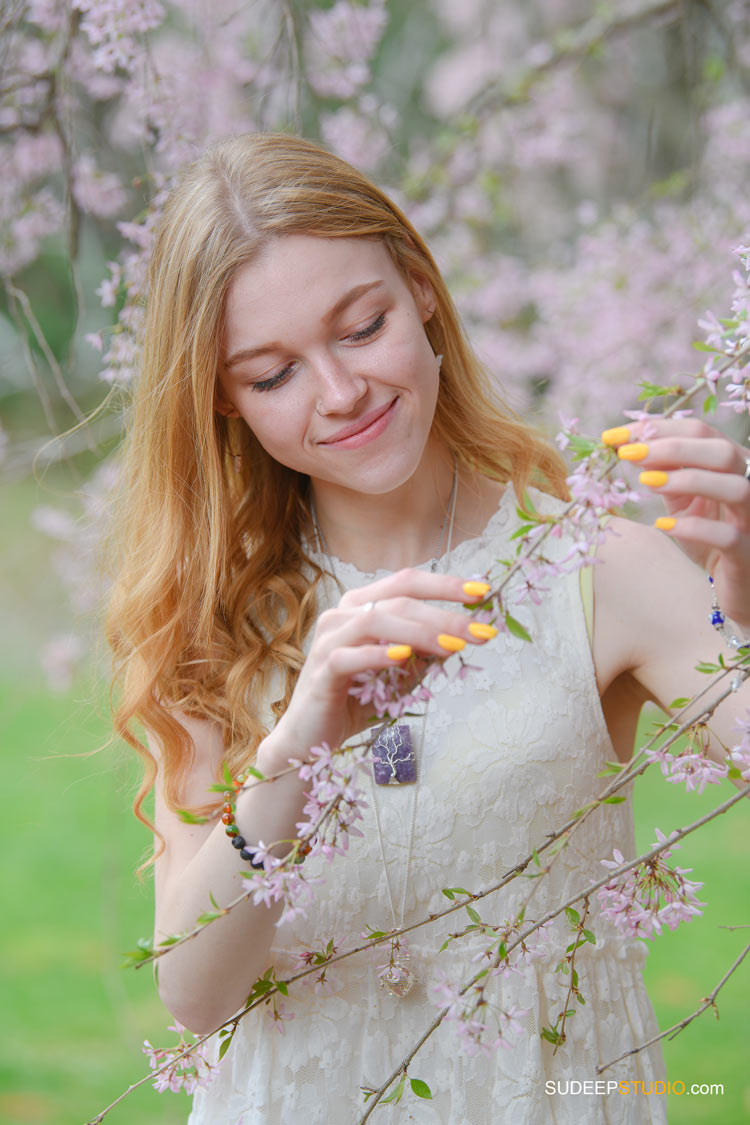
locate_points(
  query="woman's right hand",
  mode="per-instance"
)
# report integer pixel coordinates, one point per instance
(359, 635)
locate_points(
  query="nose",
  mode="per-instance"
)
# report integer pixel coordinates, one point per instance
(338, 387)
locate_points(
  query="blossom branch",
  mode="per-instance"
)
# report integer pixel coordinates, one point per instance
(569, 46)
(583, 894)
(708, 1002)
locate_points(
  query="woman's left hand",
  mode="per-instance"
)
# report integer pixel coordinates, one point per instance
(702, 476)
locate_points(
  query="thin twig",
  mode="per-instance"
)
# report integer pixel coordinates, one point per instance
(568, 46)
(49, 355)
(676, 1028)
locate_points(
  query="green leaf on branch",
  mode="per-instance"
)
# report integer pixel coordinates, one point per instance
(473, 915)
(188, 817)
(702, 346)
(225, 1045)
(707, 669)
(581, 447)
(550, 1035)
(516, 628)
(449, 892)
(589, 936)
(397, 1093)
(655, 390)
(572, 915)
(255, 773)
(709, 404)
(209, 916)
(678, 703)
(144, 951)
(611, 767)
(523, 530)
(420, 1088)
(613, 800)
(228, 779)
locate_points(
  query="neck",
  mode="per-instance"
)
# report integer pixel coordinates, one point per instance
(396, 529)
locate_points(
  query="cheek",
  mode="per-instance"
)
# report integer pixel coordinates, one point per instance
(279, 424)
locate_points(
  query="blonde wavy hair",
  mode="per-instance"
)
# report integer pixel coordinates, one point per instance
(210, 595)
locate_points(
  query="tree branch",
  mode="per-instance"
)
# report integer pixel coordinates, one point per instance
(675, 1029)
(568, 46)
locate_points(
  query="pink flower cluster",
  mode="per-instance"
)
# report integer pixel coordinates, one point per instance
(695, 770)
(334, 805)
(332, 795)
(385, 692)
(183, 1067)
(731, 338)
(115, 29)
(480, 1025)
(739, 755)
(650, 895)
(339, 44)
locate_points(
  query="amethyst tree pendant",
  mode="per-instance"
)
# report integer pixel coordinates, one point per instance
(393, 758)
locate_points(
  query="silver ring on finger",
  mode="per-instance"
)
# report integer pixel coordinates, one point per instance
(746, 473)
(371, 605)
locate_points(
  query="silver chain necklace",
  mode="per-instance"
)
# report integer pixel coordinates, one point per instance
(395, 762)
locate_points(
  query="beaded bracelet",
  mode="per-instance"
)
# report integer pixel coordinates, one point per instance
(719, 622)
(247, 851)
(230, 827)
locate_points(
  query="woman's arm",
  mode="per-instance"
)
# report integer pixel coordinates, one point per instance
(653, 599)
(209, 977)
(206, 980)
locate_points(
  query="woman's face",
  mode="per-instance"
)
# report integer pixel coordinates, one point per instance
(327, 360)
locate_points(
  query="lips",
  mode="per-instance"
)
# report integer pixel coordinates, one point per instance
(360, 425)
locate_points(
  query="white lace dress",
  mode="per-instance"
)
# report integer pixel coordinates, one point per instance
(509, 754)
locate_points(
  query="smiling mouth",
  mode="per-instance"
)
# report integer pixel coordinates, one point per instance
(360, 427)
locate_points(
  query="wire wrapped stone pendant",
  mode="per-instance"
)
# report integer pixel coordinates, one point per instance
(393, 757)
(396, 978)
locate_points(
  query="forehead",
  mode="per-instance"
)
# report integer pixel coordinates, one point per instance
(299, 276)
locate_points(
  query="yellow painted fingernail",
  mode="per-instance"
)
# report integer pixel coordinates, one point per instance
(618, 435)
(665, 523)
(482, 631)
(476, 589)
(450, 643)
(654, 478)
(398, 652)
(635, 452)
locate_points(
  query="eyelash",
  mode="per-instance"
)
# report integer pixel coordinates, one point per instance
(283, 375)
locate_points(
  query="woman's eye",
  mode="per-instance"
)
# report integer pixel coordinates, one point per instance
(286, 372)
(275, 380)
(370, 330)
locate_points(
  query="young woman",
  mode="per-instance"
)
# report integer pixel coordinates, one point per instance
(316, 467)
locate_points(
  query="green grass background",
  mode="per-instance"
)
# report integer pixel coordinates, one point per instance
(73, 1020)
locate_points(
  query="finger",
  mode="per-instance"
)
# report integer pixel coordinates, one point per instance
(718, 454)
(728, 488)
(346, 662)
(424, 628)
(719, 534)
(657, 427)
(414, 583)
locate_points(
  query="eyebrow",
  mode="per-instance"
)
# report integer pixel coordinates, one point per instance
(343, 303)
